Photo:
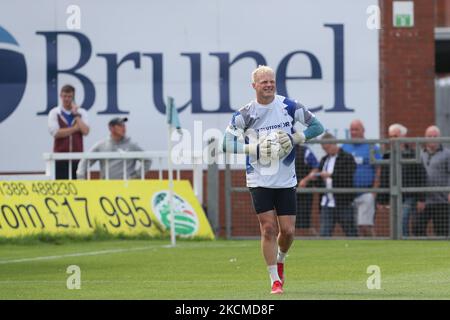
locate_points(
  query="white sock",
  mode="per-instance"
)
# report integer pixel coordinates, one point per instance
(281, 256)
(273, 272)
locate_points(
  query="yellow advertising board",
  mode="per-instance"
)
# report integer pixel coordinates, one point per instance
(78, 207)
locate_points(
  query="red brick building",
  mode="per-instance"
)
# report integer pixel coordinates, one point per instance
(407, 66)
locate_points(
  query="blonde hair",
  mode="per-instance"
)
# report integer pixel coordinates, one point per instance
(261, 70)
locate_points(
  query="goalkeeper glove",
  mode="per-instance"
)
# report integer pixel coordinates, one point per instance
(288, 141)
(267, 147)
(298, 138)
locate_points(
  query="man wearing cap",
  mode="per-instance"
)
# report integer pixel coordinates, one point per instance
(116, 142)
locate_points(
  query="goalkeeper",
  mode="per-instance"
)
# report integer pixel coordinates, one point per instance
(264, 131)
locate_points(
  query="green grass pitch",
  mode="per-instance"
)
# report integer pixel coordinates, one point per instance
(149, 269)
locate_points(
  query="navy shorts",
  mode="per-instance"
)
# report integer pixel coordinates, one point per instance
(282, 200)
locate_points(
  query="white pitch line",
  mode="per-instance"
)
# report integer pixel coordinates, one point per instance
(134, 281)
(111, 251)
(79, 254)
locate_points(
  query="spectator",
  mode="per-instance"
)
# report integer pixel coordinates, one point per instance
(413, 175)
(436, 160)
(337, 170)
(366, 176)
(306, 166)
(117, 142)
(67, 123)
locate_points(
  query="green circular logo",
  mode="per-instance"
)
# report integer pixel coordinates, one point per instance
(186, 220)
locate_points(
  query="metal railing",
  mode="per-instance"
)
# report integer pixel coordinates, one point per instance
(158, 158)
(395, 189)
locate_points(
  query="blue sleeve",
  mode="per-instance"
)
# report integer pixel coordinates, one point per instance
(233, 132)
(231, 144)
(377, 154)
(314, 129)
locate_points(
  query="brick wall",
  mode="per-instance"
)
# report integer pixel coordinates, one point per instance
(407, 69)
(442, 12)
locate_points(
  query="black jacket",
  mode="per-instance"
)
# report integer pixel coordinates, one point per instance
(344, 170)
(413, 175)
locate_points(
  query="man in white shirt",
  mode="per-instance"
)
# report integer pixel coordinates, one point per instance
(337, 169)
(67, 123)
(270, 172)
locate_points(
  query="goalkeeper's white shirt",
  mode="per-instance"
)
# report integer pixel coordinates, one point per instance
(255, 121)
